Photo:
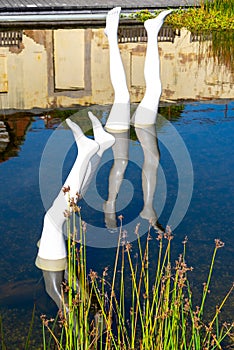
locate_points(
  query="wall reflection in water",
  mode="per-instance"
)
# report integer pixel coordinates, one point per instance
(67, 67)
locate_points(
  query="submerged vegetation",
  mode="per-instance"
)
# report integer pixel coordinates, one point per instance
(136, 308)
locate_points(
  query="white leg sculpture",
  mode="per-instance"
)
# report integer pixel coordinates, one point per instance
(103, 138)
(52, 255)
(119, 118)
(146, 112)
(105, 141)
(52, 250)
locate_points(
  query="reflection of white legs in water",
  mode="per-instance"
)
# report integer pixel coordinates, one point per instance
(145, 117)
(120, 155)
(119, 117)
(148, 140)
(146, 112)
(53, 280)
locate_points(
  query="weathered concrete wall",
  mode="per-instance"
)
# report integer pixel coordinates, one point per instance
(26, 76)
(189, 71)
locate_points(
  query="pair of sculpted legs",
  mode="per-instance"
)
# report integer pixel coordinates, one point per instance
(52, 250)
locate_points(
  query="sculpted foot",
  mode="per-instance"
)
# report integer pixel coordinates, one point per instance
(110, 214)
(86, 147)
(153, 25)
(150, 215)
(103, 138)
(112, 22)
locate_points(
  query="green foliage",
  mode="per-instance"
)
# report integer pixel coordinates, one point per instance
(210, 15)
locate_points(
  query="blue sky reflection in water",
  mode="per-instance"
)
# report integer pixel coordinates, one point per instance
(207, 131)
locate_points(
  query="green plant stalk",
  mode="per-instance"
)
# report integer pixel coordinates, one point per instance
(175, 307)
(206, 288)
(135, 290)
(103, 303)
(184, 314)
(156, 285)
(183, 331)
(143, 278)
(120, 306)
(158, 278)
(122, 326)
(96, 290)
(30, 328)
(43, 336)
(165, 307)
(69, 316)
(113, 284)
(65, 324)
(86, 313)
(136, 309)
(75, 311)
(61, 337)
(121, 297)
(190, 312)
(218, 332)
(82, 297)
(146, 339)
(158, 298)
(218, 310)
(59, 346)
(166, 295)
(225, 334)
(133, 313)
(193, 339)
(53, 330)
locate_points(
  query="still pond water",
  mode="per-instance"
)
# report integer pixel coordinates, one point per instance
(194, 194)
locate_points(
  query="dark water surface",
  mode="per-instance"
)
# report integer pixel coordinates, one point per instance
(207, 132)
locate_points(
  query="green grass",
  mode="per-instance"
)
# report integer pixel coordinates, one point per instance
(136, 308)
